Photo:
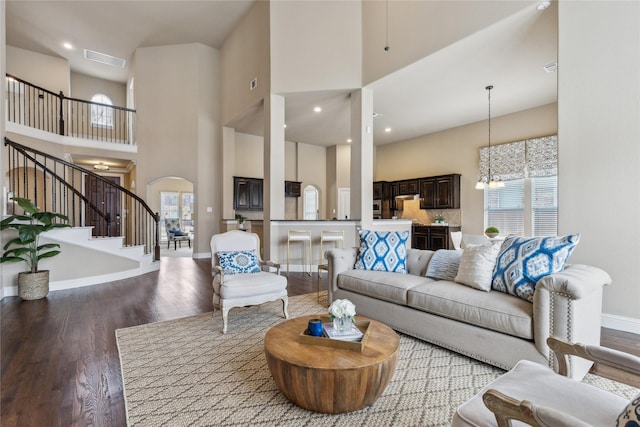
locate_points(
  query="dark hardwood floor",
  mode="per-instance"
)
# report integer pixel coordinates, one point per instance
(60, 364)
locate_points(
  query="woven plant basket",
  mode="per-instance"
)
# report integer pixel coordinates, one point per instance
(33, 285)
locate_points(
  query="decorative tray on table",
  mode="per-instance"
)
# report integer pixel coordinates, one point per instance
(354, 342)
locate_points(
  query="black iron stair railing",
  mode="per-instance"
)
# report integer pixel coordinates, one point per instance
(87, 198)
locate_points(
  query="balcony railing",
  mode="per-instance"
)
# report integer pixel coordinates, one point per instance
(39, 108)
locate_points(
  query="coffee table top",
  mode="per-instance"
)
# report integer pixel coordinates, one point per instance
(281, 341)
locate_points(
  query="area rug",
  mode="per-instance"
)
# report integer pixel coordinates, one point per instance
(185, 372)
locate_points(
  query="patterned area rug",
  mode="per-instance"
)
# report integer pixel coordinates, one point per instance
(186, 373)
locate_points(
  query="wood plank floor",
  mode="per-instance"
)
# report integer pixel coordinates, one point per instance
(60, 364)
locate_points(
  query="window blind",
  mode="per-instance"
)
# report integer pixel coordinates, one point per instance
(544, 206)
(505, 207)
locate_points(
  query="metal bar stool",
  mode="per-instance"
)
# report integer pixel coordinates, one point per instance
(300, 236)
(336, 236)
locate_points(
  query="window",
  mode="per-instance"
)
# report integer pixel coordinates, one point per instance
(101, 111)
(544, 206)
(504, 207)
(528, 203)
(176, 205)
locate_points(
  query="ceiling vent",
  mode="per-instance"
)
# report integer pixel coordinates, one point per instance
(551, 68)
(103, 58)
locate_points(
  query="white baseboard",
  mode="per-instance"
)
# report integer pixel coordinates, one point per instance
(620, 323)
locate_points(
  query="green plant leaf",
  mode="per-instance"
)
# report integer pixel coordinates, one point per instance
(48, 246)
(7, 258)
(26, 205)
(48, 254)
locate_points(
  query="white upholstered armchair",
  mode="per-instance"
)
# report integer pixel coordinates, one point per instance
(534, 394)
(241, 277)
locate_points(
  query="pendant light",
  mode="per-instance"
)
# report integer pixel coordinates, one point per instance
(497, 182)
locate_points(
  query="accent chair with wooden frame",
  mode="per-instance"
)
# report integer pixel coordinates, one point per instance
(535, 395)
(175, 233)
(239, 289)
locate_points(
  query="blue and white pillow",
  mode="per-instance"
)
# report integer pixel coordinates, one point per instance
(523, 261)
(236, 262)
(383, 251)
(444, 264)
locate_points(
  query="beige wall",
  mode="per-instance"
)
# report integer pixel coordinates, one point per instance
(457, 151)
(84, 87)
(178, 130)
(245, 56)
(29, 66)
(599, 141)
(315, 45)
(424, 21)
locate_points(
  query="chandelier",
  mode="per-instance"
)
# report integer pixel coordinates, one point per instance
(493, 182)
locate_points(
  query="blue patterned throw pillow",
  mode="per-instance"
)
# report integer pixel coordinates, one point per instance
(383, 251)
(523, 261)
(235, 262)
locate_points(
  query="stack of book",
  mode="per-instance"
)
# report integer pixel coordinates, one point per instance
(353, 335)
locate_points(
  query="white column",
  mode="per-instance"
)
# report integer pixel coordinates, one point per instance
(362, 156)
(273, 196)
(227, 166)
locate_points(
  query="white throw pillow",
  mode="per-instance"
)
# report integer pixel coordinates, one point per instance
(476, 265)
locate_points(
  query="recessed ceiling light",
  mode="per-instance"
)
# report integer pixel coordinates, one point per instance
(543, 5)
(317, 109)
(285, 126)
(349, 140)
(67, 45)
(387, 129)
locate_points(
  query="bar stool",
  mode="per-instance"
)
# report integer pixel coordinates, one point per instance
(327, 236)
(300, 236)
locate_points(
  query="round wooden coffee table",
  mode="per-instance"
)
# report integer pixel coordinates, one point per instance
(327, 379)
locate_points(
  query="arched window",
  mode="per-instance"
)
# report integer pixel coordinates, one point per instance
(310, 202)
(101, 111)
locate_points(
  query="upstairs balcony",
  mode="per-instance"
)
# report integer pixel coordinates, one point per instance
(31, 109)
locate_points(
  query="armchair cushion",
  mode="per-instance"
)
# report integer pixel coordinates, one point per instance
(523, 261)
(237, 262)
(176, 233)
(239, 286)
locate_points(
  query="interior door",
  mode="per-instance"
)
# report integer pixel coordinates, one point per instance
(107, 199)
(344, 203)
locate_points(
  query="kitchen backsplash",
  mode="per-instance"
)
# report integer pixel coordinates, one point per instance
(412, 211)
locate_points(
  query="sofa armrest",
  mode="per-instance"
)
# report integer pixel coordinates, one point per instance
(577, 281)
(269, 265)
(217, 270)
(339, 260)
(568, 305)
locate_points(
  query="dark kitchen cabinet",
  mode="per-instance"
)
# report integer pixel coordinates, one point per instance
(378, 190)
(408, 186)
(292, 188)
(247, 194)
(440, 192)
(432, 237)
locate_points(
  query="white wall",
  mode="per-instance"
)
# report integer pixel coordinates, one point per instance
(84, 87)
(178, 128)
(315, 45)
(29, 66)
(599, 143)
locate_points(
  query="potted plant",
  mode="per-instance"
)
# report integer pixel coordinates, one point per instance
(240, 220)
(32, 284)
(491, 232)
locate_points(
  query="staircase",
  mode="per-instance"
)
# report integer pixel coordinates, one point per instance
(98, 248)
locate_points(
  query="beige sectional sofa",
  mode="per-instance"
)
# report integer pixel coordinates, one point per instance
(494, 327)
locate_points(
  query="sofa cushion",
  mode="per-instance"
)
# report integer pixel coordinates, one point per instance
(630, 416)
(492, 310)
(444, 264)
(382, 285)
(523, 261)
(383, 251)
(476, 265)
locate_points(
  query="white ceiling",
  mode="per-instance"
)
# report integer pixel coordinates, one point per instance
(444, 90)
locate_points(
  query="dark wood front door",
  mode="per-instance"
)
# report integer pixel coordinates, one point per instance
(107, 199)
